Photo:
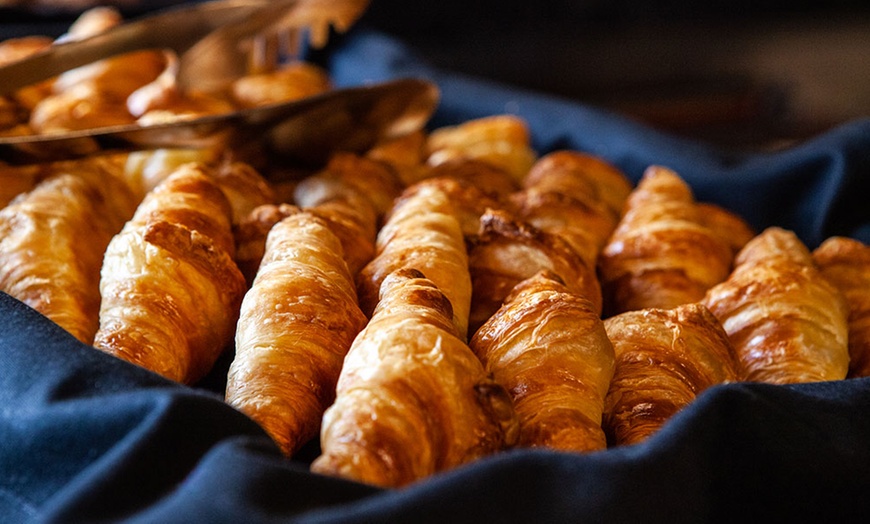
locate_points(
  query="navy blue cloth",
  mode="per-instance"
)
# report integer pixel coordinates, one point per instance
(85, 437)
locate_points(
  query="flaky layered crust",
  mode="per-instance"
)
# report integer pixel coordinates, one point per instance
(548, 348)
(664, 359)
(661, 255)
(296, 324)
(845, 262)
(170, 288)
(52, 240)
(412, 399)
(787, 323)
(422, 233)
(508, 251)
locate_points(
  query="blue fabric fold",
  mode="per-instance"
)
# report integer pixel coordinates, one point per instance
(85, 437)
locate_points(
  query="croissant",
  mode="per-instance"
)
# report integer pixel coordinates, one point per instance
(52, 240)
(495, 182)
(508, 251)
(468, 200)
(787, 323)
(170, 288)
(548, 348)
(412, 399)
(660, 255)
(421, 232)
(845, 262)
(296, 324)
(404, 153)
(351, 220)
(729, 226)
(583, 177)
(144, 170)
(244, 187)
(348, 172)
(664, 359)
(501, 140)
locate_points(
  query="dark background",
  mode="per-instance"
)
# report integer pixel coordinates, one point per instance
(748, 74)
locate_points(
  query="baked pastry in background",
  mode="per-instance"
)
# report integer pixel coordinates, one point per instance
(501, 140)
(549, 349)
(296, 324)
(845, 262)
(787, 323)
(412, 399)
(170, 288)
(664, 359)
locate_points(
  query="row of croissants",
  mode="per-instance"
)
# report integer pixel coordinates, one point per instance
(446, 295)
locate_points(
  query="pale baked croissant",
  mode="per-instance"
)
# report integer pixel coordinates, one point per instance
(52, 240)
(501, 140)
(787, 323)
(412, 399)
(296, 324)
(664, 359)
(845, 262)
(661, 254)
(508, 251)
(170, 288)
(421, 232)
(548, 348)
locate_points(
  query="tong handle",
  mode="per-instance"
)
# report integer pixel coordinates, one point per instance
(177, 29)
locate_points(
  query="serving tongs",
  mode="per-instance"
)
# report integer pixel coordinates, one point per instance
(213, 41)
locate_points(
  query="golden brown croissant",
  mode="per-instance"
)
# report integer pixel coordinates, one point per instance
(15, 180)
(144, 170)
(729, 226)
(581, 176)
(501, 140)
(348, 172)
(296, 324)
(787, 323)
(508, 251)
(548, 348)
(350, 219)
(412, 399)
(660, 255)
(469, 202)
(576, 196)
(845, 262)
(421, 232)
(664, 359)
(492, 180)
(170, 288)
(52, 241)
(405, 154)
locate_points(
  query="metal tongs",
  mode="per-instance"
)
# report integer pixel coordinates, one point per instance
(213, 41)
